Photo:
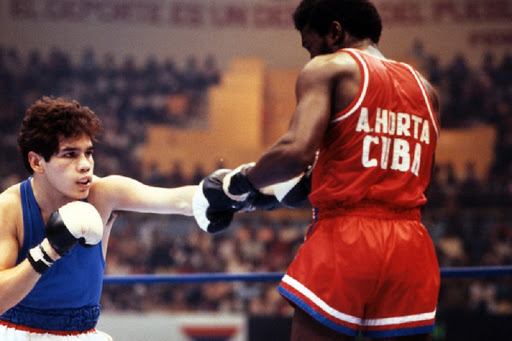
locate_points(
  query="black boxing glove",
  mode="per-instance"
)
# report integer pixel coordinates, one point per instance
(294, 192)
(264, 202)
(213, 209)
(237, 186)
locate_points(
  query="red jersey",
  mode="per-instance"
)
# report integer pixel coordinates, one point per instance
(381, 148)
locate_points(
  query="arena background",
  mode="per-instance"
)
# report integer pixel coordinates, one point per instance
(227, 28)
(257, 54)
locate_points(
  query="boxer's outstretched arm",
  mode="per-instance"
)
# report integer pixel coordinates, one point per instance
(119, 193)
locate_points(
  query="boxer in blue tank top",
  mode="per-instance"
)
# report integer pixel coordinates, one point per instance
(54, 226)
(69, 304)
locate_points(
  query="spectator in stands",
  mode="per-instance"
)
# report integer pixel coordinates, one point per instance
(476, 240)
(191, 75)
(88, 68)
(470, 191)
(450, 246)
(504, 73)
(210, 72)
(176, 176)
(482, 296)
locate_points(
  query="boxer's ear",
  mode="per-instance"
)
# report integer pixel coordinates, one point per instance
(36, 162)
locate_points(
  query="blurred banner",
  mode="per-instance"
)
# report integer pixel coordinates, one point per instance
(258, 28)
(176, 327)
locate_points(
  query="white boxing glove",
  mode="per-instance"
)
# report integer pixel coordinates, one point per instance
(75, 222)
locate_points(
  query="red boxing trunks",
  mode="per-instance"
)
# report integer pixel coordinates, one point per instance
(366, 269)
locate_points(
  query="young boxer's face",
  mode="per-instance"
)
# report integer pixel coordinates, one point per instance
(70, 169)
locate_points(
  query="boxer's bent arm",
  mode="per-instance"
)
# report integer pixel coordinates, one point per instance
(296, 149)
(126, 194)
(17, 282)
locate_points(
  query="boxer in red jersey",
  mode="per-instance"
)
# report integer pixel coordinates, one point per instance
(367, 266)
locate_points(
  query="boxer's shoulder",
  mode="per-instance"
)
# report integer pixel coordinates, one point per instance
(11, 225)
(10, 207)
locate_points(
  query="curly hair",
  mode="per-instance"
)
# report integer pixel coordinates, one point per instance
(50, 119)
(359, 17)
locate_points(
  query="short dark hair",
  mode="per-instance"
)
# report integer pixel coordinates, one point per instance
(49, 119)
(359, 17)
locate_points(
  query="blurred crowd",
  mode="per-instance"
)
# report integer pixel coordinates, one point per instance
(467, 217)
(175, 245)
(126, 95)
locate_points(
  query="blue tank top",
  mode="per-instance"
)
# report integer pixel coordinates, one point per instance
(67, 296)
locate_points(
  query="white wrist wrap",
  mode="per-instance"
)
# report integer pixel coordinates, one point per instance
(38, 257)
